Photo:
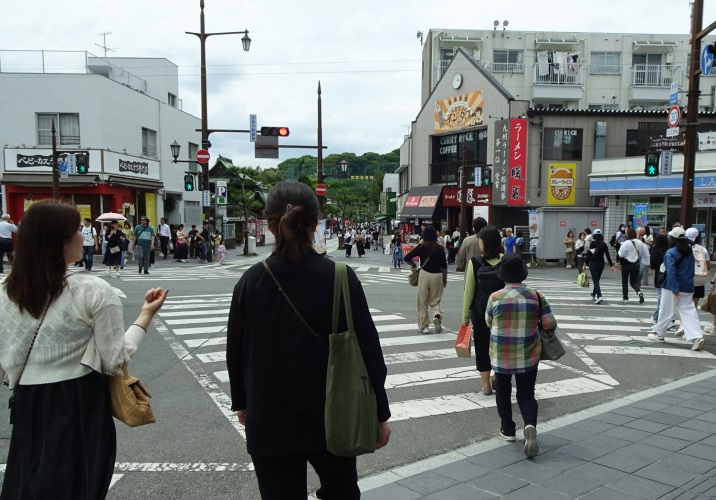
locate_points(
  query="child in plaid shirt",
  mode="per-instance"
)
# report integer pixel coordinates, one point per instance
(513, 314)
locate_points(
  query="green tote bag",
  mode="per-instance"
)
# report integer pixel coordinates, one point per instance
(351, 409)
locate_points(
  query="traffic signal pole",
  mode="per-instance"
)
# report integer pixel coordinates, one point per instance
(55, 166)
(319, 161)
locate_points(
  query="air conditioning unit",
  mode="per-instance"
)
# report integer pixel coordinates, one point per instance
(670, 58)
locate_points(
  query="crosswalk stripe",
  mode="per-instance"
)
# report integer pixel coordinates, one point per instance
(686, 352)
(606, 337)
(396, 328)
(203, 320)
(201, 330)
(192, 313)
(584, 326)
(412, 379)
(387, 317)
(418, 356)
(212, 357)
(418, 408)
(602, 319)
(417, 339)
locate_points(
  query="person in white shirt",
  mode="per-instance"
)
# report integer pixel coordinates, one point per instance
(631, 254)
(699, 281)
(7, 227)
(61, 333)
(165, 234)
(89, 243)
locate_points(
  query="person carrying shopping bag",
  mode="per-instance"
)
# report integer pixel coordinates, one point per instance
(514, 315)
(432, 279)
(594, 261)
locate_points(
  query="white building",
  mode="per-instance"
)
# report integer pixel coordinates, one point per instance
(572, 70)
(118, 114)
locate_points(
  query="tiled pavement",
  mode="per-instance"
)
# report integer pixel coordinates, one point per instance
(657, 444)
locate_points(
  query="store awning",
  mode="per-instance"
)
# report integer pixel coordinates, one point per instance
(123, 180)
(39, 179)
(421, 202)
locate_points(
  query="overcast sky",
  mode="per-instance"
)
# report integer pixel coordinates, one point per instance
(365, 53)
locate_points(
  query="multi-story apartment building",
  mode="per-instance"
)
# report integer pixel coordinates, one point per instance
(553, 117)
(118, 116)
(572, 70)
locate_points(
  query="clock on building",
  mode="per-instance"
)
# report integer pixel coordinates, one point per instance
(457, 80)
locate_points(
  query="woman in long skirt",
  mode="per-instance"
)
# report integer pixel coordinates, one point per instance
(63, 442)
(113, 253)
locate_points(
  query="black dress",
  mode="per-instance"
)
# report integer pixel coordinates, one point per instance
(113, 240)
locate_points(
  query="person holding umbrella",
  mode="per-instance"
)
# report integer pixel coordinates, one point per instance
(113, 253)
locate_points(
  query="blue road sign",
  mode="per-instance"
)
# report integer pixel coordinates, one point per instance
(674, 96)
(63, 166)
(252, 124)
(666, 160)
(707, 61)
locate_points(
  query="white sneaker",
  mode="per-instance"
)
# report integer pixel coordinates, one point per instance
(425, 329)
(698, 344)
(531, 447)
(710, 329)
(109, 271)
(679, 332)
(438, 324)
(654, 337)
(117, 274)
(598, 301)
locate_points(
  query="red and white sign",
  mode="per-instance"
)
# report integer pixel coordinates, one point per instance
(674, 116)
(517, 165)
(476, 195)
(594, 223)
(203, 156)
(321, 189)
(563, 223)
(412, 201)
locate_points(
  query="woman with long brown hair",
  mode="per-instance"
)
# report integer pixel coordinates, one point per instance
(60, 332)
(277, 355)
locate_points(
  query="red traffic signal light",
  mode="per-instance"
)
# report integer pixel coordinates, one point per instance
(275, 131)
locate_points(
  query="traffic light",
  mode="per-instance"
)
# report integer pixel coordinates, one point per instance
(651, 164)
(275, 131)
(82, 164)
(711, 48)
(487, 177)
(188, 182)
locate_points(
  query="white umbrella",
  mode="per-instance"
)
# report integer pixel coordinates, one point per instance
(110, 217)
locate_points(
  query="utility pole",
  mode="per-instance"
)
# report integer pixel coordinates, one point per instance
(55, 167)
(319, 162)
(463, 194)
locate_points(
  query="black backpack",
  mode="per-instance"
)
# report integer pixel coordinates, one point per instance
(486, 283)
(613, 241)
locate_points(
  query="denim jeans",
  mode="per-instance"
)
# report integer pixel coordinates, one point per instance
(88, 256)
(204, 250)
(143, 254)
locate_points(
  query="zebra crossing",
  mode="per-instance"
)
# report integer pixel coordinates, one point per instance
(425, 377)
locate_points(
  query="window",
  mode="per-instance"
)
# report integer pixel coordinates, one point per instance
(562, 144)
(192, 150)
(67, 126)
(149, 142)
(172, 100)
(605, 63)
(603, 106)
(507, 61)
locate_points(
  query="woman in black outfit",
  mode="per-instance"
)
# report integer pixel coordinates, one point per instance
(656, 259)
(278, 380)
(432, 279)
(594, 261)
(113, 237)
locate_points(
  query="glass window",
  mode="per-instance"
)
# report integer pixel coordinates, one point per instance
(149, 142)
(172, 100)
(605, 63)
(67, 127)
(562, 144)
(192, 150)
(507, 61)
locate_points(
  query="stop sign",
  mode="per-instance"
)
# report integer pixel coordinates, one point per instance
(203, 156)
(321, 189)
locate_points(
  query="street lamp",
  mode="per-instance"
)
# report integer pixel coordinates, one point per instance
(344, 167)
(203, 35)
(176, 147)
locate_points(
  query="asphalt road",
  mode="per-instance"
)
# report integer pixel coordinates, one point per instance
(196, 450)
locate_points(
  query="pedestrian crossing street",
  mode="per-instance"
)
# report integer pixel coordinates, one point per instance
(426, 378)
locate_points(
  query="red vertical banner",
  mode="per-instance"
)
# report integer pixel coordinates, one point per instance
(517, 172)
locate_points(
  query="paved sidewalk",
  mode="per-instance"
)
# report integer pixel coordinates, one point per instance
(660, 443)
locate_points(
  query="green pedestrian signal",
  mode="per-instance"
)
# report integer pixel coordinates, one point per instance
(82, 164)
(188, 183)
(487, 177)
(651, 164)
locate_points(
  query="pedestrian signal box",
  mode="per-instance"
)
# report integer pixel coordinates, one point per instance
(486, 177)
(188, 182)
(651, 164)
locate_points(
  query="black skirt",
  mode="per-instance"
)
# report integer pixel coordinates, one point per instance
(63, 442)
(112, 259)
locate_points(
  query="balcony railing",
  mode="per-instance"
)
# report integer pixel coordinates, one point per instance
(650, 75)
(558, 74)
(508, 67)
(605, 69)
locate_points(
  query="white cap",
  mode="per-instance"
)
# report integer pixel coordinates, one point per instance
(677, 232)
(692, 233)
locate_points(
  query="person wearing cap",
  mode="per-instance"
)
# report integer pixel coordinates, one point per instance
(431, 281)
(90, 243)
(677, 290)
(594, 261)
(7, 227)
(144, 243)
(631, 253)
(513, 315)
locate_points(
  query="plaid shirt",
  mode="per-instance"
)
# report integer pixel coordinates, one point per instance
(512, 315)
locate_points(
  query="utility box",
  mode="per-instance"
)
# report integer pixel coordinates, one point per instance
(553, 224)
(252, 244)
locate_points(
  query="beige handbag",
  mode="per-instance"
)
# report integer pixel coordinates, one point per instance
(129, 400)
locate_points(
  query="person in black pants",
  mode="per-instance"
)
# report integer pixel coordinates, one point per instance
(630, 253)
(594, 261)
